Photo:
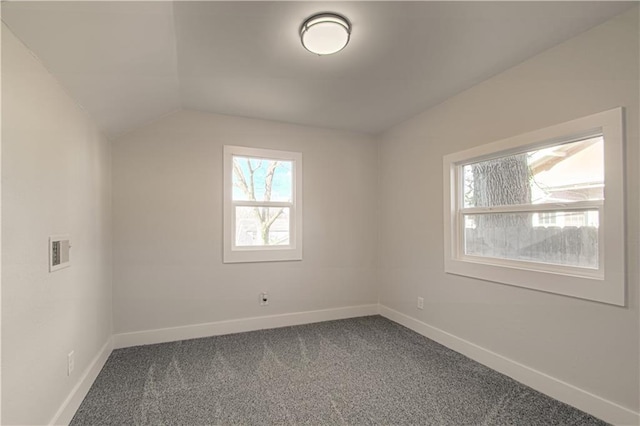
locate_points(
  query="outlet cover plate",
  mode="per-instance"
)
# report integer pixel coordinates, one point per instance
(71, 362)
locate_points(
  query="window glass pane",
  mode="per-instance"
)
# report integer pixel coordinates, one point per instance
(562, 238)
(561, 173)
(262, 226)
(262, 179)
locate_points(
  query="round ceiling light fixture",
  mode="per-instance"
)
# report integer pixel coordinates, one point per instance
(325, 33)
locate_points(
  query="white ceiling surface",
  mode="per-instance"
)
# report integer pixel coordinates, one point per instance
(128, 63)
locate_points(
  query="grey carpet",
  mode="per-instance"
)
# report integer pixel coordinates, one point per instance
(358, 371)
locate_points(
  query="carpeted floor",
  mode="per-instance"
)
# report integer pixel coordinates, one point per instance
(357, 371)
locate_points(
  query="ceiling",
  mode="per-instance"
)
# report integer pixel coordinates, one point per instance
(128, 63)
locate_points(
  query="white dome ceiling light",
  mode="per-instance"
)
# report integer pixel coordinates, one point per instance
(325, 33)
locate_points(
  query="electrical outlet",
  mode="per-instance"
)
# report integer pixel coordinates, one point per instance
(71, 362)
(420, 303)
(264, 299)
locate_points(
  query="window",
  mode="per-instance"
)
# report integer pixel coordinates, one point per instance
(545, 219)
(543, 210)
(262, 205)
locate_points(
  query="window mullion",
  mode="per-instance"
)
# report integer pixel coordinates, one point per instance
(524, 208)
(247, 203)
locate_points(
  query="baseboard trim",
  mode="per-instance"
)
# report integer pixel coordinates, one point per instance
(558, 389)
(70, 405)
(195, 331)
(555, 388)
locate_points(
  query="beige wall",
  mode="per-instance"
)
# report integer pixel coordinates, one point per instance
(167, 211)
(591, 345)
(372, 217)
(55, 180)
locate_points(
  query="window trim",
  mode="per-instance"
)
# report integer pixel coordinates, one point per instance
(240, 254)
(605, 285)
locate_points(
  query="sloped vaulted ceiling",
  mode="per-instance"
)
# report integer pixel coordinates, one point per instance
(128, 63)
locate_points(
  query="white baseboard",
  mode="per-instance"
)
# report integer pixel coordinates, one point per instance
(555, 388)
(70, 405)
(195, 331)
(562, 391)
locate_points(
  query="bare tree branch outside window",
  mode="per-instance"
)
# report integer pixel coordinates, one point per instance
(255, 178)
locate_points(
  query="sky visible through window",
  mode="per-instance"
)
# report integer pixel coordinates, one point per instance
(281, 189)
(561, 173)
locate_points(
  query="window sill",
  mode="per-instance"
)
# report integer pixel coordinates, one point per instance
(589, 287)
(259, 255)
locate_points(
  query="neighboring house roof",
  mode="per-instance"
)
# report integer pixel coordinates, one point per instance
(569, 172)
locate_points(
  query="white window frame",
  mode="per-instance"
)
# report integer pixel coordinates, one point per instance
(607, 283)
(235, 254)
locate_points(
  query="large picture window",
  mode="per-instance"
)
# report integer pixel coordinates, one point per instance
(263, 213)
(542, 210)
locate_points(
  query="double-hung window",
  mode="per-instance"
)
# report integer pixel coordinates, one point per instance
(262, 205)
(543, 210)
